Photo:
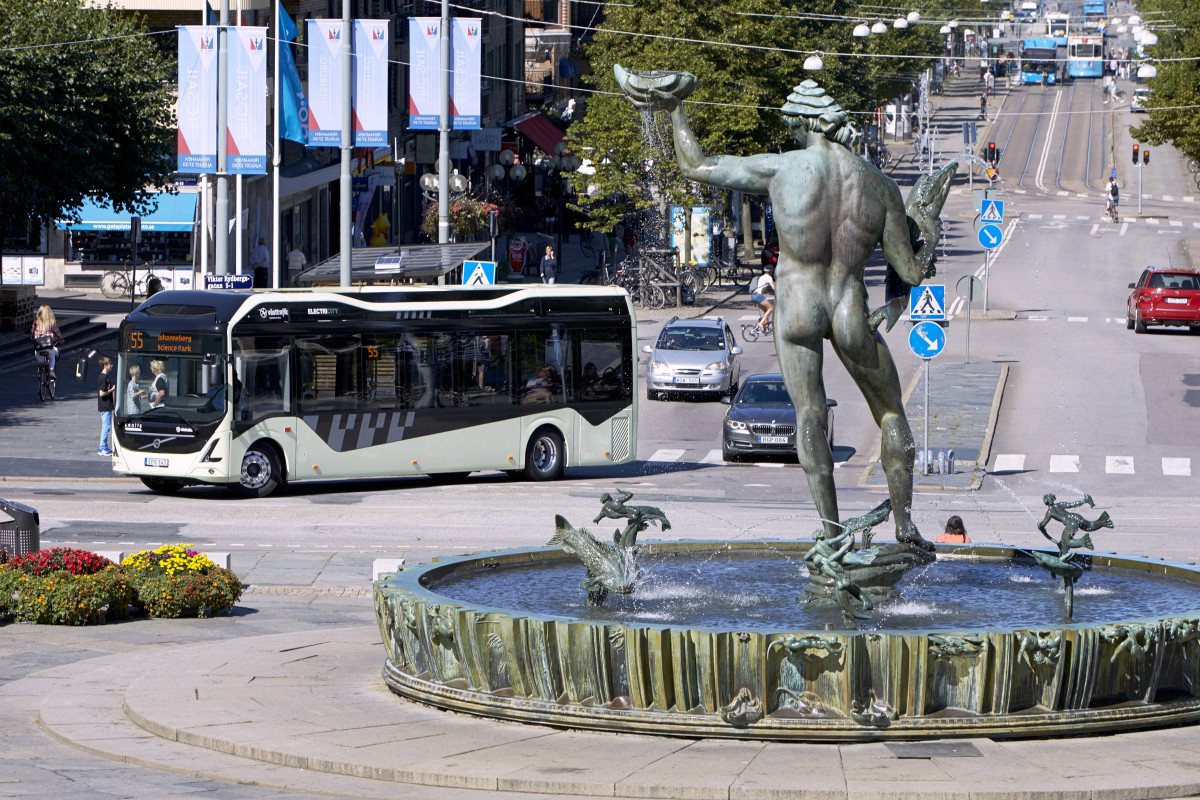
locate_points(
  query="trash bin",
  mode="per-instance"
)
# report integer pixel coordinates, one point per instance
(21, 533)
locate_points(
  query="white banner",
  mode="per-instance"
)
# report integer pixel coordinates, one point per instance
(197, 106)
(466, 47)
(324, 82)
(424, 72)
(370, 82)
(246, 88)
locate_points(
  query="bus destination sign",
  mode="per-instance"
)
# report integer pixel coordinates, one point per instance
(168, 342)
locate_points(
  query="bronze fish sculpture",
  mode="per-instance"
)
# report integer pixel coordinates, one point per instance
(609, 568)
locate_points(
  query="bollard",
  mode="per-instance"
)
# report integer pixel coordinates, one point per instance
(950, 462)
(941, 462)
(21, 533)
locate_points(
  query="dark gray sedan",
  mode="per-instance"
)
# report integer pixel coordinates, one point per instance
(762, 420)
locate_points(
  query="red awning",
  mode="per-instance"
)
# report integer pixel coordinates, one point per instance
(541, 131)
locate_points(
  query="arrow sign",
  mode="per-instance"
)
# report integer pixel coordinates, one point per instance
(990, 236)
(926, 339)
(993, 211)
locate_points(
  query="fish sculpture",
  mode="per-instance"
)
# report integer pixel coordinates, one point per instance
(609, 568)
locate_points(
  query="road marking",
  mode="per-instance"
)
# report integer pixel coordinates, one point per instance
(1009, 462)
(1041, 171)
(1039, 319)
(1168, 198)
(1064, 463)
(1083, 217)
(748, 317)
(1035, 216)
(1188, 199)
(1095, 227)
(1018, 191)
(666, 455)
(1064, 194)
(713, 457)
(771, 464)
(1077, 319)
(1124, 227)
(1177, 466)
(1060, 216)
(1081, 196)
(1177, 223)
(1151, 222)
(1118, 465)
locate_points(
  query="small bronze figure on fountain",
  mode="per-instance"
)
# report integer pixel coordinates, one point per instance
(1063, 565)
(639, 517)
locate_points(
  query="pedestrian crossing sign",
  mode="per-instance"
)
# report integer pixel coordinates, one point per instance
(479, 273)
(927, 303)
(993, 211)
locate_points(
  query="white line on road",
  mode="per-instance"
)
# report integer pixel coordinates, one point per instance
(713, 457)
(1177, 223)
(1118, 465)
(1060, 216)
(666, 455)
(1095, 226)
(1009, 462)
(1124, 227)
(1038, 319)
(1064, 194)
(1035, 216)
(1177, 466)
(1077, 319)
(1084, 216)
(1152, 222)
(771, 464)
(1049, 140)
(1168, 198)
(1064, 463)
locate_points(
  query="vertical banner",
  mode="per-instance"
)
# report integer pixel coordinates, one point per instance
(370, 82)
(197, 107)
(246, 88)
(465, 49)
(293, 103)
(324, 83)
(701, 235)
(678, 234)
(424, 72)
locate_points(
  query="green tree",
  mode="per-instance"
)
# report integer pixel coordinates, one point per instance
(85, 107)
(735, 108)
(1174, 106)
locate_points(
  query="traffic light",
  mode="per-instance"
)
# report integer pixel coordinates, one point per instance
(1145, 156)
(1135, 154)
(993, 155)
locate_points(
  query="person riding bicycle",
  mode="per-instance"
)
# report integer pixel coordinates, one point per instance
(1112, 193)
(46, 337)
(765, 283)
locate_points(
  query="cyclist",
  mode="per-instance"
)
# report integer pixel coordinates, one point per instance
(1112, 193)
(46, 337)
(765, 283)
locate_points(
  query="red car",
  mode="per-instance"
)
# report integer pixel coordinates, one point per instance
(1164, 296)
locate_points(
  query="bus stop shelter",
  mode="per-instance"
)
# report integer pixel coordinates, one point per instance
(419, 263)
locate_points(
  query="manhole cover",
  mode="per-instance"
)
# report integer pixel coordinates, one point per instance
(933, 750)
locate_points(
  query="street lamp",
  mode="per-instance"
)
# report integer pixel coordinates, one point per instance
(814, 63)
(879, 27)
(861, 30)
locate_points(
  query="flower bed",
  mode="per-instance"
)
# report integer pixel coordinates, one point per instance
(62, 586)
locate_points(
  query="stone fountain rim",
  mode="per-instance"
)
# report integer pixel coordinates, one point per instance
(413, 581)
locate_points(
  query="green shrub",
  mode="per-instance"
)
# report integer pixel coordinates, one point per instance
(63, 598)
(174, 580)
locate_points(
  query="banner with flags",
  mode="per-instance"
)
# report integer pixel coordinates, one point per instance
(324, 82)
(424, 73)
(370, 82)
(293, 104)
(246, 88)
(197, 107)
(465, 46)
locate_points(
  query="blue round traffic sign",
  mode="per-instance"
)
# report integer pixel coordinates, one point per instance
(927, 339)
(990, 236)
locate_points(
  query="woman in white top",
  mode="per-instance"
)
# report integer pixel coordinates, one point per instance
(758, 293)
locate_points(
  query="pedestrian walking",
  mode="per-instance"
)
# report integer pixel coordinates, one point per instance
(296, 261)
(549, 268)
(105, 403)
(983, 106)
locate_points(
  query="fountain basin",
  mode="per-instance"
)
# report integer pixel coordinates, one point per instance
(807, 681)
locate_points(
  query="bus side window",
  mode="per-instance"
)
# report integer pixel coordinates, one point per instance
(330, 374)
(604, 378)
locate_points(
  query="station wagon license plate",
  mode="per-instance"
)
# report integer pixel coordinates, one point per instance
(772, 440)
(1177, 300)
(687, 379)
(156, 462)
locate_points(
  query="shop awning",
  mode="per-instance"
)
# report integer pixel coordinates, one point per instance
(541, 131)
(175, 212)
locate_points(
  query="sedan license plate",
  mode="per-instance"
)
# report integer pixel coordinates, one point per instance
(1177, 300)
(156, 462)
(772, 440)
(687, 379)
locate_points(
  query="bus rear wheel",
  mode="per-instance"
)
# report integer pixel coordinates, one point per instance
(544, 456)
(261, 472)
(162, 485)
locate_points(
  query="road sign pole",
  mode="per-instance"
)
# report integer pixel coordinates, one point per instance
(967, 360)
(925, 452)
(987, 264)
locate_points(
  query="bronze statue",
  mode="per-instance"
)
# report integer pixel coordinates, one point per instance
(1063, 565)
(609, 568)
(831, 210)
(639, 517)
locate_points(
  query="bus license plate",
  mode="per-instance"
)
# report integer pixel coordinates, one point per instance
(687, 378)
(156, 462)
(772, 440)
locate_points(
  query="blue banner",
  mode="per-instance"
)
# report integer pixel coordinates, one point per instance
(246, 88)
(293, 104)
(465, 106)
(324, 83)
(424, 73)
(370, 82)
(197, 107)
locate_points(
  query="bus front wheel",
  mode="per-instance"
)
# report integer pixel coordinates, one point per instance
(545, 456)
(261, 471)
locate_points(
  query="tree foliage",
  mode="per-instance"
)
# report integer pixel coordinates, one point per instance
(85, 107)
(748, 55)
(1174, 106)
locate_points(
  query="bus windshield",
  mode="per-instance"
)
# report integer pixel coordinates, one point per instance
(187, 389)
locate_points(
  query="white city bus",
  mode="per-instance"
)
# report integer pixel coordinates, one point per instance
(255, 389)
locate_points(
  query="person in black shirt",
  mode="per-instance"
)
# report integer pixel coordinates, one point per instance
(106, 388)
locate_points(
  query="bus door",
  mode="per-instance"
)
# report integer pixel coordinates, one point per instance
(262, 381)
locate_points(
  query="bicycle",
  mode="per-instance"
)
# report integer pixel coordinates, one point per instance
(751, 332)
(643, 292)
(585, 244)
(46, 381)
(118, 283)
(1110, 211)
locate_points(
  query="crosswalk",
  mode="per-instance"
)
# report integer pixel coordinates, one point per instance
(1113, 465)
(673, 456)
